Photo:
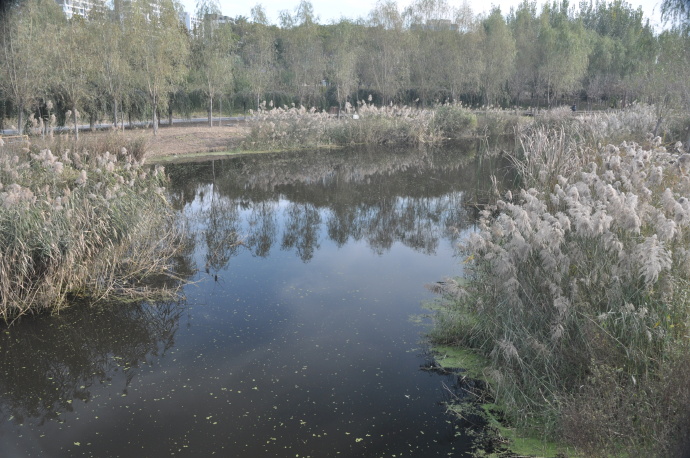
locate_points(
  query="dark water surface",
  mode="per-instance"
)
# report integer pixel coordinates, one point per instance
(297, 342)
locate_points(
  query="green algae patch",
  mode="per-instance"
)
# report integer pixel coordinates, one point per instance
(469, 364)
(458, 358)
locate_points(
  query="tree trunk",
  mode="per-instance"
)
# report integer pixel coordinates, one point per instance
(20, 121)
(115, 113)
(170, 113)
(155, 118)
(210, 111)
(76, 127)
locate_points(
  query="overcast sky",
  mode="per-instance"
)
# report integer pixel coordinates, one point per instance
(332, 10)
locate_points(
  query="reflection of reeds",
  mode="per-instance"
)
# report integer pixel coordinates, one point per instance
(78, 222)
(45, 368)
(577, 290)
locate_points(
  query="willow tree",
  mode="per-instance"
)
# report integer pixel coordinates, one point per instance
(259, 55)
(430, 27)
(665, 83)
(24, 29)
(343, 50)
(386, 66)
(563, 51)
(498, 56)
(303, 53)
(677, 11)
(213, 54)
(622, 46)
(213, 58)
(524, 24)
(158, 50)
(74, 66)
(114, 72)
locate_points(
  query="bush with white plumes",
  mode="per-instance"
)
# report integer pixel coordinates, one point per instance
(584, 273)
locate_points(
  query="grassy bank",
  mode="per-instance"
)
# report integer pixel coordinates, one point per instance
(80, 220)
(577, 289)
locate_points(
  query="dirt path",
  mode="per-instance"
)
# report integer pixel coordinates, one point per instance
(194, 138)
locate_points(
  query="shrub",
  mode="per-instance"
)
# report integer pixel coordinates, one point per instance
(453, 121)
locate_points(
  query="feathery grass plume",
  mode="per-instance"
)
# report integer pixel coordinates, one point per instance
(64, 235)
(579, 282)
(284, 128)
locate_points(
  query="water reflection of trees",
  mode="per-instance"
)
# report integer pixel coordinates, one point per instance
(47, 363)
(301, 232)
(416, 198)
(222, 219)
(264, 228)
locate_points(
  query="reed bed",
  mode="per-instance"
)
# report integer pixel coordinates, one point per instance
(75, 223)
(296, 127)
(577, 289)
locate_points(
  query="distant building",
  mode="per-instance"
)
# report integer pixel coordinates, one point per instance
(83, 7)
(78, 7)
(189, 21)
(218, 19)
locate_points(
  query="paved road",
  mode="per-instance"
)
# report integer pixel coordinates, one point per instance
(85, 127)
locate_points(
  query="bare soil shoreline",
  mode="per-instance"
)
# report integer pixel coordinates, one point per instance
(194, 139)
(181, 140)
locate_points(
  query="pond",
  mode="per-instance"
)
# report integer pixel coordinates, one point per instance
(300, 338)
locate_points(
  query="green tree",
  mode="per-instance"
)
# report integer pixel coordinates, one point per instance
(665, 83)
(24, 33)
(524, 24)
(113, 72)
(303, 55)
(622, 44)
(563, 51)
(432, 46)
(498, 56)
(343, 50)
(213, 55)
(258, 51)
(74, 66)
(677, 11)
(158, 51)
(386, 65)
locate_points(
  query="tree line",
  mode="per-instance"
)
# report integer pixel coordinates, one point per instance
(135, 59)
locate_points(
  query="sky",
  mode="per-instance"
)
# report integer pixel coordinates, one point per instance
(332, 10)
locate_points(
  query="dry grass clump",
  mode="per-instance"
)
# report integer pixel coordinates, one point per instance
(79, 223)
(98, 143)
(632, 123)
(578, 290)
